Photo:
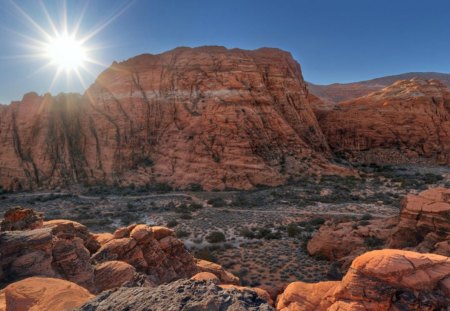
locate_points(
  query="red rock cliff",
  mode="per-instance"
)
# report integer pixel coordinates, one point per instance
(406, 122)
(210, 116)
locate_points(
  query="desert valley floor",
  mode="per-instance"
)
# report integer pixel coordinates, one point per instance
(265, 230)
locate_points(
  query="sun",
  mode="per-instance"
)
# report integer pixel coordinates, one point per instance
(62, 41)
(66, 52)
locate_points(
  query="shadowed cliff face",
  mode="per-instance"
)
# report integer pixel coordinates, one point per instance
(406, 122)
(210, 116)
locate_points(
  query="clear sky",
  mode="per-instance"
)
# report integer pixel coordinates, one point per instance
(334, 40)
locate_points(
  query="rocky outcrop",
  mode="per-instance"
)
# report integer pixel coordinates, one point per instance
(38, 293)
(423, 226)
(378, 280)
(224, 276)
(20, 218)
(406, 122)
(178, 295)
(154, 251)
(344, 241)
(207, 116)
(424, 222)
(137, 255)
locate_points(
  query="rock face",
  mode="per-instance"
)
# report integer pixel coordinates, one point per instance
(210, 116)
(406, 122)
(178, 295)
(38, 293)
(424, 222)
(378, 280)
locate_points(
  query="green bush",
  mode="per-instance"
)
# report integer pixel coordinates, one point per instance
(182, 233)
(217, 202)
(215, 237)
(292, 230)
(172, 223)
(373, 242)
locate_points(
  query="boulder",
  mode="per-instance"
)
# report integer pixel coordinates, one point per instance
(19, 218)
(111, 274)
(379, 280)
(224, 276)
(39, 293)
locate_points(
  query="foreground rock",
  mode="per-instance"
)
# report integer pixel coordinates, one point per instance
(137, 255)
(154, 251)
(423, 225)
(378, 280)
(38, 293)
(53, 251)
(406, 122)
(178, 295)
(206, 116)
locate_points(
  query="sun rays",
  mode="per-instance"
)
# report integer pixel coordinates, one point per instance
(62, 43)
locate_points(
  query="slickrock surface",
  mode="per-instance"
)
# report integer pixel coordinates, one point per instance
(38, 293)
(408, 121)
(209, 116)
(378, 280)
(175, 296)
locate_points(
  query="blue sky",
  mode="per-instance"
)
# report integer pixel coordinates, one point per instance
(334, 41)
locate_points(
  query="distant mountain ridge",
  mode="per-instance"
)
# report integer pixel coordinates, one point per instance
(339, 92)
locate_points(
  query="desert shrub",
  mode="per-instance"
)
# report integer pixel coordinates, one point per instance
(182, 233)
(366, 216)
(172, 223)
(195, 206)
(318, 221)
(364, 223)
(195, 187)
(205, 254)
(247, 233)
(292, 230)
(186, 216)
(217, 202)
(373, 242)
(215, 237)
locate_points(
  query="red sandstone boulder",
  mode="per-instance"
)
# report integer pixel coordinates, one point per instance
(20, 218)
(300, 296)
(379, 280)
(111, 274)
(154, 251)
(38, 293)
(224, 276)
